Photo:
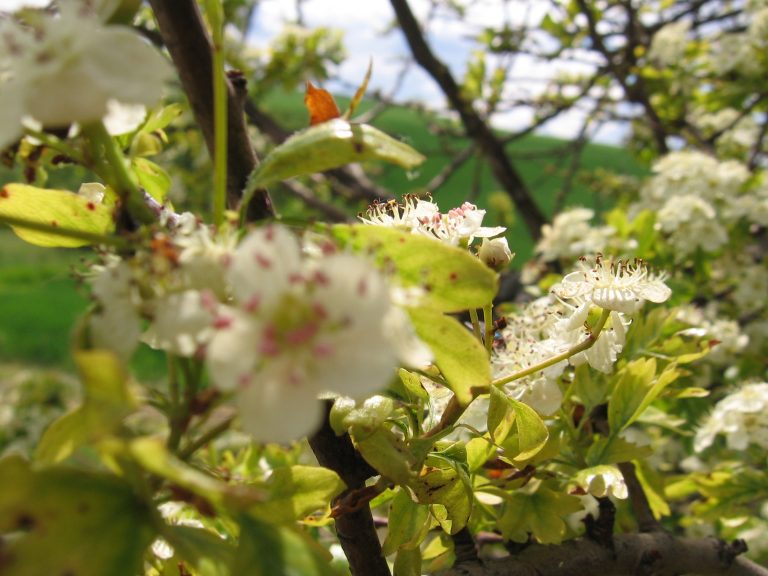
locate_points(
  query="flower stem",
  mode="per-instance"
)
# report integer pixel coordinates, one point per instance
(110, 164)
(475, 324)
(587, 343)
(488, 321)
(216, 21)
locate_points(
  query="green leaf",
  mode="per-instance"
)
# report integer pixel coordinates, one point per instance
(412, 390)
(209, 554)
(451, 278)
(387, 453)
(407, 562)
(538, 512)
(532, 433)
(106, 402)
(588, 387)
(296, 491)
(152, 178)
(449, 487)
(66, 521)
(501, 415)
(55, 209)
(162, 118)
(268, 550)
(615, 449)
(330, 145)
(636, 388)
(408, 523)
(152, 454)
(479, 450)
(462, 360)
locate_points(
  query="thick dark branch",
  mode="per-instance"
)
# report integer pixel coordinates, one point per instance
(184, 34)
(643, 514)
(476, 128)
(356, 530)
(656, 553)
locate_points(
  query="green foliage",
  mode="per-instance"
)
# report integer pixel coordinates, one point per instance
(330, 145)
(69, 520)
(51, 209)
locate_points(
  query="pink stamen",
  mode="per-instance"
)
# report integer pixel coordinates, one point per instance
(322, 350)
(302, 334)
(252, 304)
(222, 322)
(262, 260)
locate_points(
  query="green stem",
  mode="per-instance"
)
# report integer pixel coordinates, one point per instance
(216, 20)
(205, 438)
(111, 165)
(454, 410)
(488, 321)
(580, 347)
(89, 237)
(55, 144)
(475, 324)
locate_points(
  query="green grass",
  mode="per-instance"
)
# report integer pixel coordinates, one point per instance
(40, 301)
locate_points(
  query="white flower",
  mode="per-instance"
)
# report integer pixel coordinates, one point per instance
(690, 223)
(613, 285)
(742, 417)
(115, 325)
(182, 322)
(299, 328)
(68, 67)
(571, 235)
(669, 43)
(459, 226)
(495, 253)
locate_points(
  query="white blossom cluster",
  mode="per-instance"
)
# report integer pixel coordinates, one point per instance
(53, 74)
(458, 226)
(707, 323)
(571, 234)
(276, 327)
(669, 43)
(742, 417)
(550, 326)
(696, 198)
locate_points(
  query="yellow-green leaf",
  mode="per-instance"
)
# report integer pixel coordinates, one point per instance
(49, 210)
(330, 145)
(461, 358)
(408, 523)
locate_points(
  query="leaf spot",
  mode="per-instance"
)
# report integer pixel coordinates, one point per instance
(4, 193)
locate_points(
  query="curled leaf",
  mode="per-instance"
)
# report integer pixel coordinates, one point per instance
(321, 105)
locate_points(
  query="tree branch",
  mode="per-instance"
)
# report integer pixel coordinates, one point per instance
(356, 531)
(476, 128)
(657, 554)
(184, 34)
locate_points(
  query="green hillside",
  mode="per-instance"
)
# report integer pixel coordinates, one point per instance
(40, 301)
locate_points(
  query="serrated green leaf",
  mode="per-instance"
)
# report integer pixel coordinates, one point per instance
(70, 522)
(501, 415)
(408, 523)
(268, 550)
(162, 118)
(152, 455)
(451, 278)
(152, 178)
(462, 360)
(296, 491)
(532, 433)
(407, 562)
(636, 388)
(387, 453)
(540, 513)
(330, 145)
(208, 553)
(57, 209)
(106, 402)
(614, 450)
(412, 389)
(450, 488)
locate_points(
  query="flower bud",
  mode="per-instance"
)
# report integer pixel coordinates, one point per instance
(495, 253)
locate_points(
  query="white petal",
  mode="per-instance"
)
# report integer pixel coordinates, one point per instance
(231, 354)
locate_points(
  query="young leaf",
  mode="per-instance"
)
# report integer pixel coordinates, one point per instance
(330, 145)
(321, 105)
(266, 549)
(461, 358)
(296, 491)
(407, 562)
(54, 209)
(452, 279)
(501, 415)
(66, 521)
(532, 433)
(387, 453)
(538, 512)
(106, 401)
(204, 550)
(408, 523)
